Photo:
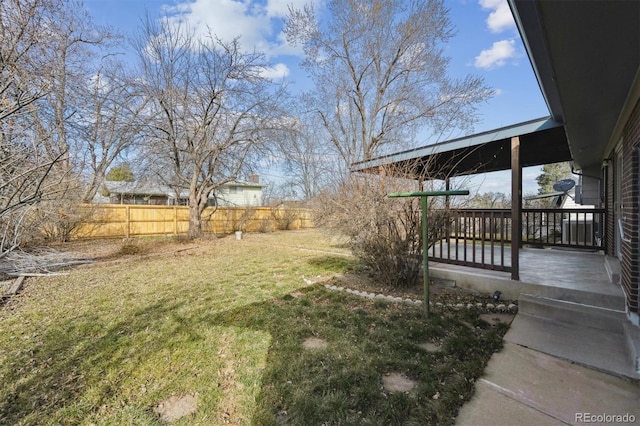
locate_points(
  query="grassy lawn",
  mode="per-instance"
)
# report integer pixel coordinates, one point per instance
(219, 332)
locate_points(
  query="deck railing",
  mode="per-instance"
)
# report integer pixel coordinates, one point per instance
(576, 228)
(481, 238)
(475, 237)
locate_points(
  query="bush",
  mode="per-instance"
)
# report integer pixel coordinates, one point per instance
(385, 233)
(60, 221)
(284, 217)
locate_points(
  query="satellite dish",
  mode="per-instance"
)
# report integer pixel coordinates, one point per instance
(564, 185)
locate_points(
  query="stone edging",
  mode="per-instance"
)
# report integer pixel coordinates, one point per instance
(492, 307)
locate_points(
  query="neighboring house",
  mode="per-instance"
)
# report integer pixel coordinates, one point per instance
(586, 58)
(560, 200)
(241, 193)
(232, 194)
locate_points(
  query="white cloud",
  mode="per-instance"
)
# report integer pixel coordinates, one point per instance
(276, 72)
(258, 24)
(497, 55)
(500, 18)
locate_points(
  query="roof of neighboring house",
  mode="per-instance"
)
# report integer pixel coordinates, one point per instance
(245, 184)
(137, 188)
(147, 188)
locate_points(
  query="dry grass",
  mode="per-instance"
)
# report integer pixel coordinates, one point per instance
(223, 324)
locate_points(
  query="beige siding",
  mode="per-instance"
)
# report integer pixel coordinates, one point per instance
(240, 196)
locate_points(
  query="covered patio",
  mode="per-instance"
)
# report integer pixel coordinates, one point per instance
(574, 276)
(493, 239)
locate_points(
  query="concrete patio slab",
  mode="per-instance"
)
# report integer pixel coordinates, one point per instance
(490, 407)
(599, 349)
(526, 387)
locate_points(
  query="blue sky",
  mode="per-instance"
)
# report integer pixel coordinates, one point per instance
(486, 44)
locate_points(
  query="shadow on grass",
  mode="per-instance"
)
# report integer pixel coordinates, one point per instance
(342, 382)
(339, 384)
(41, 382)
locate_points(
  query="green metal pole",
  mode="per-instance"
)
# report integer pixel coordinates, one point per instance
(425, 232)
(425, 254)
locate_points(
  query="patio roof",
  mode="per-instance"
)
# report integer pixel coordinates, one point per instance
(586, 57)
(542, 141)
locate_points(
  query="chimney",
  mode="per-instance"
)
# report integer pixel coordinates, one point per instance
(254, 178)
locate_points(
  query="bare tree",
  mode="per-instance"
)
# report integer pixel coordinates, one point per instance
(380, 73)
(309, 162)
(211, 106)
(26, 167)
(490, 200)
(110, 122)
(23, 58)
(73, 41)
(45, 52)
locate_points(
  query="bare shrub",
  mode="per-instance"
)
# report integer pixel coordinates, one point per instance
(130, 248)
(384, 233)
(241, 221)
(62, 221)
(265, 225)
(284, 217)
(236, 219)
(16, 228)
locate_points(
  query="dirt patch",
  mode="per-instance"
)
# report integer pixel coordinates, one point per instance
(314, 343)
(494, 319)
(396, 382)
(229, 407)
(176, 407)
(430, 347)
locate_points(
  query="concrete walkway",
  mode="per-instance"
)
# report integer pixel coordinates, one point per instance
(523, 386)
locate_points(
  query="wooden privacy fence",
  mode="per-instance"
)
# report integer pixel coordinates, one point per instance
(116, 220)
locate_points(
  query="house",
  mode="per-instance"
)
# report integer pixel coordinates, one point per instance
(231, 194)
(241, 193)
(586, 58)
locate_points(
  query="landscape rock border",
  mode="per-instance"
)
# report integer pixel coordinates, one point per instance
(491, 307)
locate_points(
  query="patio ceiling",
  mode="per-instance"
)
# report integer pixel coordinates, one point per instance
(542, 141)
(586, 56)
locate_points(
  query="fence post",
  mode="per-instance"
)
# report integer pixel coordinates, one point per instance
(175, 220)
(127, 210)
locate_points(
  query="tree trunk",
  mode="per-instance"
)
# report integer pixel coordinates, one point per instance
(195, 219)
(96, 182)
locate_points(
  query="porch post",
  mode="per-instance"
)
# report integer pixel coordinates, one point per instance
(447, 201)
(516, 208)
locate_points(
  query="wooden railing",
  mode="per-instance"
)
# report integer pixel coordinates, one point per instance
(475, 237)
(576, 228)
(481, 238)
